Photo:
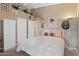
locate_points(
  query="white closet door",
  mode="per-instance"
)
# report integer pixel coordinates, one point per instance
(9, 33)
(31, 30)
(37, 28)
(21, 32)
(73, 33)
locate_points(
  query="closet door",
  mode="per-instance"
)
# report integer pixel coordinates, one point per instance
(21, 32)
(73, 33)
(31, 31)
(37, 28)
(9, 34)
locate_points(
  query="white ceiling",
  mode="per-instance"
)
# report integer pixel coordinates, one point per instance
(37, 5)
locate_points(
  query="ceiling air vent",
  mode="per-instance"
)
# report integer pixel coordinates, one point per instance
(16, 7)
(26, 11)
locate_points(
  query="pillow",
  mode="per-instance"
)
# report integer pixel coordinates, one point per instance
(45, 34)
(51, 34)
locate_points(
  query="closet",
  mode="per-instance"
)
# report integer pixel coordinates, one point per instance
(21, 31)
(31, 31)
(26, 29)
(7, 34)
(33, 28)
(37, 27)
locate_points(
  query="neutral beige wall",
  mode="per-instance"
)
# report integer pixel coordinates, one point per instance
(12, 13)
(59, 11)
(78, 10)
(8, 14)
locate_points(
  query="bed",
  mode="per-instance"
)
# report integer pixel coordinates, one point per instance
(43, 46)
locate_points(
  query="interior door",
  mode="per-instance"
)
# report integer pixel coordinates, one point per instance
(21, 32)
(9, 33)
(71, 34)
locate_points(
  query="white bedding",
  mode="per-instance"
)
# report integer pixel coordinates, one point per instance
(44, 46)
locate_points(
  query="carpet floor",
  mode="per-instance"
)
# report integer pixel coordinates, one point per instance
(20, 53)
(13, 52)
